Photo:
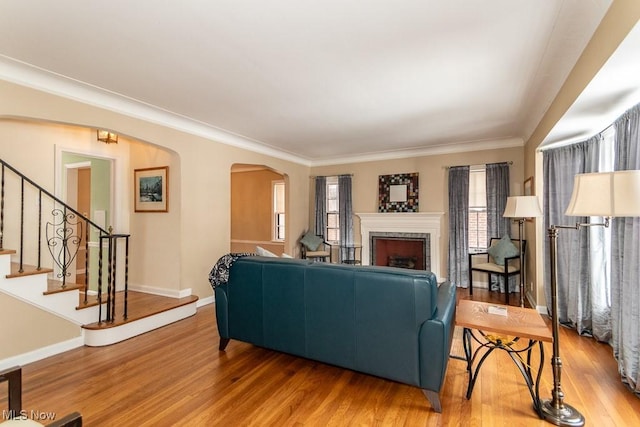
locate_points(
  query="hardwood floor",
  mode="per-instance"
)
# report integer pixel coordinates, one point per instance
(176, 376)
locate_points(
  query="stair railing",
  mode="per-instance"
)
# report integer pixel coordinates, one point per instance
(65, 233)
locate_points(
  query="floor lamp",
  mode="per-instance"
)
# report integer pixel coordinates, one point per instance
(521, 207)
(608, 195)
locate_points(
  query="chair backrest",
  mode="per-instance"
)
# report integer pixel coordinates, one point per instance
(310, 239)
(494, 240)
(13, 376)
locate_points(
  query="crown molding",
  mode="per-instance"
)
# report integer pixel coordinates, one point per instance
(424, 151)
(28, 75)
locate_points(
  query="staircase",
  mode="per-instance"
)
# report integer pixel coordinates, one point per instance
(106, 315)
(32, 287)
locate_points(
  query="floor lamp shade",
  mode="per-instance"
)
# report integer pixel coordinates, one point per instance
(607, 194)
(522, 207)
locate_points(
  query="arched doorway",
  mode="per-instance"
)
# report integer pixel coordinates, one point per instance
(259, 201)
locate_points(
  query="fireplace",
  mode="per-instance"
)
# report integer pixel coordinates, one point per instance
(389, 228)
(405, 250)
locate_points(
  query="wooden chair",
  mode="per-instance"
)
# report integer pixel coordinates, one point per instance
(510, 266)
(321, 253)
(15, 417)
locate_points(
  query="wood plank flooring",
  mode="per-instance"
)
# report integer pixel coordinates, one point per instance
(176, 376)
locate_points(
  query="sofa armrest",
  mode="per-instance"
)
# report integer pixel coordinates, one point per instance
(474, 254)
(222, 311)
(435, 339)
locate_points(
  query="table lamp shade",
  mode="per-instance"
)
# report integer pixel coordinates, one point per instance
(607, 194)
(522, 207)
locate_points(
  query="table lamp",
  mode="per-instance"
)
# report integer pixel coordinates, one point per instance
(608, 195)
(521, 207)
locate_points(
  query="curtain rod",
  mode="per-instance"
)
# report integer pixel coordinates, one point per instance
(574, 141)
(483, 164)
(327, 176)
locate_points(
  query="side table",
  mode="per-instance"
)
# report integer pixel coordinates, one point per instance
(521, 323)
(351, 254)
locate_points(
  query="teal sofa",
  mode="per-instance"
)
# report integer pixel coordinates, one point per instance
(389, 322)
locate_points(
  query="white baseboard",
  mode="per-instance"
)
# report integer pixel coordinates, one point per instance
(172, 293)
(205, 301)
(542, 309)
(480, 284)
(42, 353)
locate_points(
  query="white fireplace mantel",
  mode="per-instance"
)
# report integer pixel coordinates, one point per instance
(405, 222)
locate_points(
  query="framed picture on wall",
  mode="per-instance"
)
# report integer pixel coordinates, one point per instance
(151, 189)
(398, 193)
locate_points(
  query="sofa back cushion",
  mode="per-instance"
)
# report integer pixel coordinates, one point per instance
(368, 318)
(358, 317)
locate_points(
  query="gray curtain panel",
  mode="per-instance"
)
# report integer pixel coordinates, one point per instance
(497, 190)
(345, 214)
(459, 225)
(497, 185)
(321, 206)
(576, 303)
(625, 269)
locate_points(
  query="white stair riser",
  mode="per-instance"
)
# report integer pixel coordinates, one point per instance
(101, 337)
(31, 290)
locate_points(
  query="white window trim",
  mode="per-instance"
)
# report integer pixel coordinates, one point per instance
(332, 180)
(274, 234)
(476, 169)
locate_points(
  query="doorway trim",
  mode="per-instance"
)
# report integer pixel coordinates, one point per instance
(118, 184)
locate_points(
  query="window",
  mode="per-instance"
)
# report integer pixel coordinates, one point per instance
(333, 206)
(278, 211)
(477, 208)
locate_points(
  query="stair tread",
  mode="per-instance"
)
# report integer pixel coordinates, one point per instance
(92, 301)
(27, 270)
(140, 305)
(55, 286)
(7, 251)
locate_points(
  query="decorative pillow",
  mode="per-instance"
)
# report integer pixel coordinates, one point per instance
(263, 252)
(286, 255)
(311, 241)
(503, 249)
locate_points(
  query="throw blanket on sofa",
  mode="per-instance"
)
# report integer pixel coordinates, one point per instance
(219, 274)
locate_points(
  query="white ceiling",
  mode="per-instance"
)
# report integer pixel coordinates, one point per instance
(314, 81)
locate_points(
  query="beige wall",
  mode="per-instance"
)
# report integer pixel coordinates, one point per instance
(156, 270)
(174, 250)
(433, 193)
(25, 328)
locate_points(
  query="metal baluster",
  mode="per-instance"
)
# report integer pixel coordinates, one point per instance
(39, 230)
(126, 275)
(86, 262)
(110, 254)
(65, 246)
(100, 254)
(2, 211)
(113, 266)
(21, 269)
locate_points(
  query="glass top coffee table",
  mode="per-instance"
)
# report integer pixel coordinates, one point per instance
(501, 327)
